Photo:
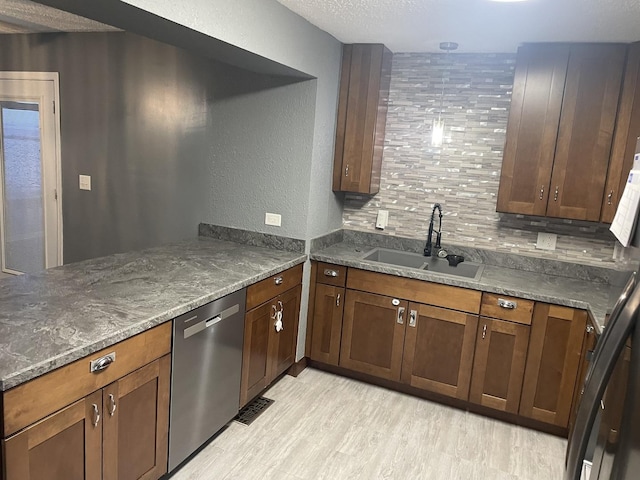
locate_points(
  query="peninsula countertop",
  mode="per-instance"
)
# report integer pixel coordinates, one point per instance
(594, 297)
(50, 319)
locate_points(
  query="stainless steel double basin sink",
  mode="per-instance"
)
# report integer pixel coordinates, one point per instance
(399, 258)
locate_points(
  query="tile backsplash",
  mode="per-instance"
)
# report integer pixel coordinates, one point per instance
(462, 175)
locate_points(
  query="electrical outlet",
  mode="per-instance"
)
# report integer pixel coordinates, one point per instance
(274, 219)
(546, 241)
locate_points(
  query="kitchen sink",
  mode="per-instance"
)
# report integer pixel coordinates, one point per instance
(399, 258)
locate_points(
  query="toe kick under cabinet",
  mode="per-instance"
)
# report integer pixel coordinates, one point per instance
(501, 353)
(109, 424)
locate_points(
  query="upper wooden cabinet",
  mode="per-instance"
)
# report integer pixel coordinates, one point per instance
(625, 136)
(560, 131)
(362, 114)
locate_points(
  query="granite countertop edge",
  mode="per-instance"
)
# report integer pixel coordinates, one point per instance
(596, 305)
(20, 376)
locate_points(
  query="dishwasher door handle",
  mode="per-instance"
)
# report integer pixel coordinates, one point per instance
(201, 326)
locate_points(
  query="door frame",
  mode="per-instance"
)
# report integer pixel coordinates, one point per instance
(57, 151)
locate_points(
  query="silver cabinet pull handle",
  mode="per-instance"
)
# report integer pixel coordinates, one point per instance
(338, 300)
(400, 315)
(590, 329)
(555, 195)
(102, 363)
(96, 415)
(484, 331)
(541, 192)
(346, 171)
(281, 306)
(112, 403)
(508, 304)
(413, 318)
(278, 280)
(609, 197)
(330, 273)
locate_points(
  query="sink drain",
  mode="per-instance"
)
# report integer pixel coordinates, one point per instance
(253, 410)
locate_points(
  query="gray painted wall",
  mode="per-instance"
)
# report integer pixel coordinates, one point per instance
(139, 117)
(268, 29)
(260, 162)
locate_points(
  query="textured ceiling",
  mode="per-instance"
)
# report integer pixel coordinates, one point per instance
(477, 25)
(23, 16)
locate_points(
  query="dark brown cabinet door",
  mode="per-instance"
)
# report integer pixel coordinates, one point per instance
(553, 362)
(588, 346)
(136, 423)
(66, 445)
(438, 350)
(498, 367)
(626, 133)
(255, 365)
(362, 113)
(587, 121)
(282, 344)
(373, 334)
(327, 324)
(532, 129)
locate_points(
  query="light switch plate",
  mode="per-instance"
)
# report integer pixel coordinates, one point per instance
(546, 241)
(274, 219)
(85, 182)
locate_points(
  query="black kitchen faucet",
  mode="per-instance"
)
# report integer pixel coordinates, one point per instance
(428, 246)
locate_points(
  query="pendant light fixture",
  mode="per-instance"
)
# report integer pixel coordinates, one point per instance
(437, 130)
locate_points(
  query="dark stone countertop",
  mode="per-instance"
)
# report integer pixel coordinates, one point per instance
(50, 319)
(595, 297)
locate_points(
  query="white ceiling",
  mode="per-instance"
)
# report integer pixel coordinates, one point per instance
(23, 16)
(477, 25)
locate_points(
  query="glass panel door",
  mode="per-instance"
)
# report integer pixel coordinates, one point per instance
(22, 231)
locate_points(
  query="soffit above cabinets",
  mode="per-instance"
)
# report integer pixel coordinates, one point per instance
(477, 25)
(23, 16)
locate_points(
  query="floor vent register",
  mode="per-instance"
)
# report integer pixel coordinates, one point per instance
(253, 410)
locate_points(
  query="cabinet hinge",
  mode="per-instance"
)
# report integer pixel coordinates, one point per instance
(54, 107)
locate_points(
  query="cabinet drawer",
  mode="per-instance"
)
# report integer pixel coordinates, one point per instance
(329, 274)
(273, 286)
(446, 296)
(42, 396)
(507, 308)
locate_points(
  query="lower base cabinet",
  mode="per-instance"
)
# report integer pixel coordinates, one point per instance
(270, 332)
(498, 366)
(503, 353)
(373, 334)
(116, 433)
(555, 348)
(438, 350)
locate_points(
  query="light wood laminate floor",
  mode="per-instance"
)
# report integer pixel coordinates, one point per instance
(324, 426)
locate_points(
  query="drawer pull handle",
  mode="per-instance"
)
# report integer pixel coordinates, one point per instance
(102, 363)
(96, 415)
(112, 404)
(413, 318)
(542, 192)
(555, 195)
(609, 197)
(278, 280)
(484, 331)
(330, 273)
(508, 304)
(338, 300)
(400, 315)
(590, 329)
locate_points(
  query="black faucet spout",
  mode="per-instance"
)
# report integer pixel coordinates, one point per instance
(428, 247)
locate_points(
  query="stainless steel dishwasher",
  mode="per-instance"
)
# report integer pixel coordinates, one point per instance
(205, 374)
